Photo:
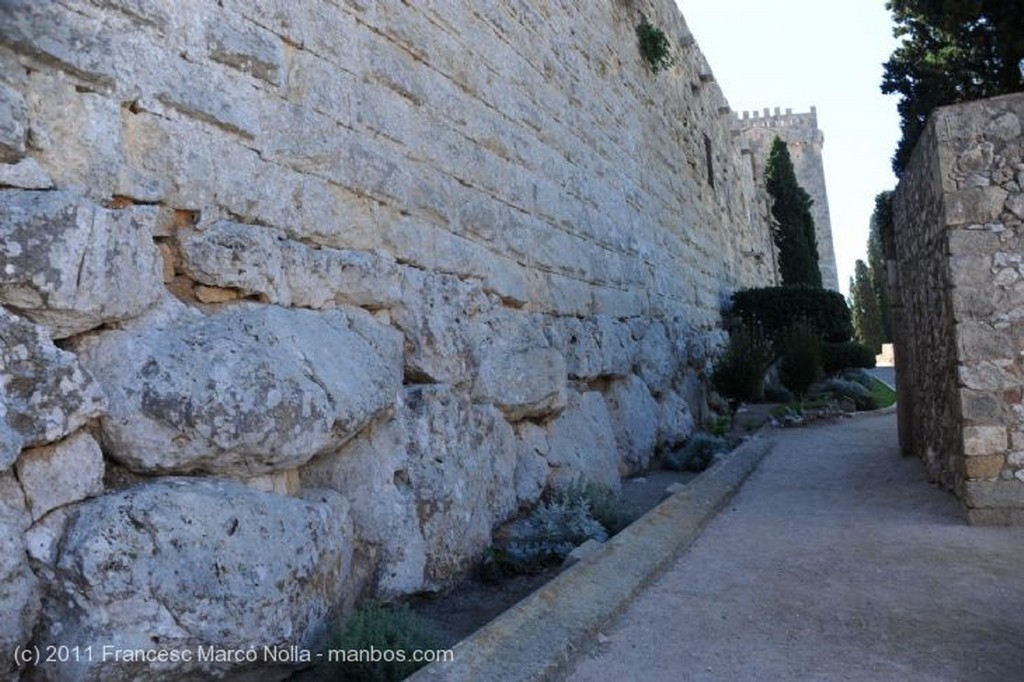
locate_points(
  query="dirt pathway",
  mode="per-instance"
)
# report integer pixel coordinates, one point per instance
(836, 561)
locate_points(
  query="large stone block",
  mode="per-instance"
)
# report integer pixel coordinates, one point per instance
(246, 47)
(19, 589)
(517, 368)
(426, 487)
(658, 359)
(985, 440)
(44, 392)
(994, 494)
(13, 128)
(634, 417)
(185, 563)
(259, 260)
(581, 444)
(56, 475)
(675, 420)
(596, 346)
(71, 265)
(243, 392)
(434, 316)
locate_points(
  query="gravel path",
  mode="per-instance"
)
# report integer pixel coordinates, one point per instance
(836, 561)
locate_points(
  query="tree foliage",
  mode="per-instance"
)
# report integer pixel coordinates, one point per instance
(867, 317)
(794, 227)
(952, 51)
(881, 224)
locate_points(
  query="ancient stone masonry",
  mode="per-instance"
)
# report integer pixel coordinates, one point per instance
(300, 299)
(959, 304)
(805, 141)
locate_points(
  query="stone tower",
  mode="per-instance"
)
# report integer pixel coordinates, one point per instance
(801, 134)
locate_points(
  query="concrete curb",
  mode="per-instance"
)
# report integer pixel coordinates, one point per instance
(537, 636)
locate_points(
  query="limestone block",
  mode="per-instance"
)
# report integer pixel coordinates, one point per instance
(634, 419)
(13, 128)
(984, 467)
(980, 341)
(53, 35)
(77, 138)
(434, 316)
(657, 361)
(183, 563)
(1006, 126)
(19, 590)
(210, 96)
(44, 392)
(426, 487)
(42, 539)
(517, 369)
(59, 474)
(985, 440)
(975, 205)
(1015, 204)
(994, 494)
(71, 265)
(986, 376)
(259, 260)
(675, 420)
(25, 174)
(595, 346)
(581, 444)
(247, 391)
(246, 48)
(531, 473)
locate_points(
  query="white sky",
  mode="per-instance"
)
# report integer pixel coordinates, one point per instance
(827, 53)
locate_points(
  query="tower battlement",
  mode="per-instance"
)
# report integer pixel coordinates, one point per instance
(800, 132)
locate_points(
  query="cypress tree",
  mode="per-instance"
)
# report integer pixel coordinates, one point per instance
(867, 318)
(881, 220)
(794, 227)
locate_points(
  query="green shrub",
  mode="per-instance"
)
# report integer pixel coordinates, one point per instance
(778, 394)
(800, 364)
(856, 392)
(382, 627)
(835, 357)
(775, 309)
(697, 454)
(552, 530)
(654, 46)
(739, 373)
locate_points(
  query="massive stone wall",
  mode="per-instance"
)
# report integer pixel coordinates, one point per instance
(959, 214)
(300, 300)
(805, 141)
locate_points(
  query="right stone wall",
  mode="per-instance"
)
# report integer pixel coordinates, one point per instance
(959, 305)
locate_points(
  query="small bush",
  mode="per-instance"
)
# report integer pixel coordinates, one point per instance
(860, 395)
(382, 627)
(801, 358)
(860, 376)
(778, 394)
(604, 505)
(654, 46)
(697, 454)
(835, 357)
(775, 309)
(739, 373)
(552, 530)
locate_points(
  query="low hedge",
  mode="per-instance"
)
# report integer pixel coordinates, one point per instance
(775, 309)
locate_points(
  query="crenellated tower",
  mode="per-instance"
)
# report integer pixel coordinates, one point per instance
(801, 134)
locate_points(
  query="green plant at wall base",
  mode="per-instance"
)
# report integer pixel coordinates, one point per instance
(739, 373)
(382, 627)
(654, 46)
(800, 358)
